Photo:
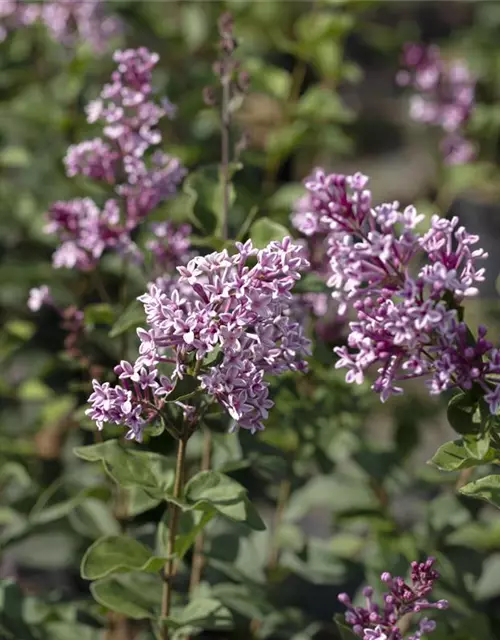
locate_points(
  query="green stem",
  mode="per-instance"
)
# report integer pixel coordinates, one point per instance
(225, 127)
(198, 557)
(283, 495)
(170, 565)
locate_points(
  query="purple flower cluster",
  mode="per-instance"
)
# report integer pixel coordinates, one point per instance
(225, 321)
(130, 119)
(68, 21)
(444, 94)
(170, 245)
(15, 14)
(405, 289)
(373, 622)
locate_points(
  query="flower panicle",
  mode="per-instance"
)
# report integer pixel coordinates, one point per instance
(380, 622)
(238, 306)
(443, 96)
(128, 159)
(405, 289)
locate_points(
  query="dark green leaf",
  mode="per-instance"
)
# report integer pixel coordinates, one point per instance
(185, 387)
(132, 317)
(462, 414)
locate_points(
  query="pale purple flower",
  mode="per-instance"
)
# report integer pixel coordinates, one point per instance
(92, 158)
(68, 21)
(38, 297)
(170, 245)
(444, 96)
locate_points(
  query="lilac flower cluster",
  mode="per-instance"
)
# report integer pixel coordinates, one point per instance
(15, 14)
(226, 322)
(68, 21)
(170, 245)
(373, 622)
(130, 126)
(444, 94)
(405, 289)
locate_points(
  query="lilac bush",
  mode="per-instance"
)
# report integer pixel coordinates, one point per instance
(221, 327)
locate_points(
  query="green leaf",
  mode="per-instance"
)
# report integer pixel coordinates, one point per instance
(128, 467)
(267, 78)
(117, 554)
(203, 613)
(14, 618)
(15, 157)
(453, 456)
(311, 283)
(211, 490)
(488, 585)
(96, 314)
(206, 189)
(477, 446)
(322, 105)
(284, 198)
(487, 488)
(463, 414)
(20, 329)
(135, 595)
(93, 518)
(184, 388)
(264, 231)
(96, 452)
(191, 523)
(282, 141)
(345, 632)
(140, 501)
(72, 630)
(131, 318)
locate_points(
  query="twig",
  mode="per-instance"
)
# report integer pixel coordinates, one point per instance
(170, 565)
(283, 495)
(463, 478)
(225, 126)
(198, 562)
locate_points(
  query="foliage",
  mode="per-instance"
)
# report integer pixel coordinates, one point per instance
(334, 491)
